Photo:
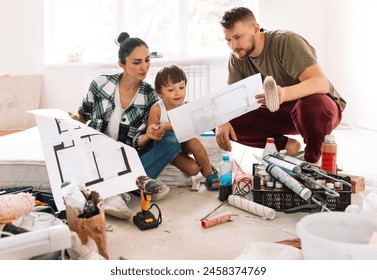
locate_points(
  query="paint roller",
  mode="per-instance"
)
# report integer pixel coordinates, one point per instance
(271, 94)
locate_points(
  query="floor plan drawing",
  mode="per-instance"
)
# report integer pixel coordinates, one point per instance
(208, 112)
(75, 152)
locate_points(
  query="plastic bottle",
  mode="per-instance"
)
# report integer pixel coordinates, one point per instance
(270, 147)
(226, 178)
(329, 150)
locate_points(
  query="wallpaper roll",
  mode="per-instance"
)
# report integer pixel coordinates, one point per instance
(252, 207)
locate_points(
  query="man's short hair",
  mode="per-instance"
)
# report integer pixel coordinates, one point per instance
(235, 15)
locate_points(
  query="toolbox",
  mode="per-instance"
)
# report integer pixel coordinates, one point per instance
(284, 199)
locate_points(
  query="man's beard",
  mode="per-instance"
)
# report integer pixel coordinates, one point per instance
(247, 52)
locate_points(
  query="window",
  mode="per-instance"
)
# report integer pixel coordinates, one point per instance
(86, 29)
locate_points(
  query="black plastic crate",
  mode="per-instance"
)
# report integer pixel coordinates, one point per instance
(285, 199)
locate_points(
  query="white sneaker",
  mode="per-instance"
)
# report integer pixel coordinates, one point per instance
(116, 206)
(164, 191)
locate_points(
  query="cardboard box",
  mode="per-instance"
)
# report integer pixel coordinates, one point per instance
(358, 182)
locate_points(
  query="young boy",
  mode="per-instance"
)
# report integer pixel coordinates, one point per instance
(170, 86)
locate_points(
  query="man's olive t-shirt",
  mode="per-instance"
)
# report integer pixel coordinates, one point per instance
(285, 55)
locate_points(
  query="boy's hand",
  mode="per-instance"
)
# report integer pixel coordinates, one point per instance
(155, 132)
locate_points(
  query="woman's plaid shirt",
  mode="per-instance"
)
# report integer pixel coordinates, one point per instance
(98, 105)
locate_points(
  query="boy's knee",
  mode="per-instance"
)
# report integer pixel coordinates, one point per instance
(193, 170)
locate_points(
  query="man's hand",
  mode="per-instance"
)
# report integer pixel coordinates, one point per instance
(225, 133)
(261, 98)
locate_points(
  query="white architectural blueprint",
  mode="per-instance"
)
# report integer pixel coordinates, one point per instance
(77, 153)
(204, 114)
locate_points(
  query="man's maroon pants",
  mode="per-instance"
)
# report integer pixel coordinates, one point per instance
(313, 117)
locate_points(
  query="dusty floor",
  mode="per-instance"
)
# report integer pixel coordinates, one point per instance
(180, 235)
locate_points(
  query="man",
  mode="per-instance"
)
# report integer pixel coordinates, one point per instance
(309, 104)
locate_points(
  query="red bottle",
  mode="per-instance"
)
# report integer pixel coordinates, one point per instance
(329, 150)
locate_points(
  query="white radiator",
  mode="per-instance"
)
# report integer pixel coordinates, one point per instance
(197, 80)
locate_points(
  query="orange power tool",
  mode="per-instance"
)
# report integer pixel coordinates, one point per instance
(145, 218)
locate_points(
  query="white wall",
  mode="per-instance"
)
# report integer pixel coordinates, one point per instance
(340, 30)
(352, 60)
(21, 37)
(305, 17)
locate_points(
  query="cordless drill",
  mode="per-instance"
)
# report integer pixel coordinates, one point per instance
(145, 218)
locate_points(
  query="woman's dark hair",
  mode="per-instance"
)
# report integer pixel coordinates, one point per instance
(235, 15)
(127, 44)
(168, 73)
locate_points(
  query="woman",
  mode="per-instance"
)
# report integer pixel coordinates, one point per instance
(118, 105)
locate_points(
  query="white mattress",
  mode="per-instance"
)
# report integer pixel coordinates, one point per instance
(22, 161)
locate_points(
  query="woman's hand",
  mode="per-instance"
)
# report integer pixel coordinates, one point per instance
(77, 117)
(155, 132)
